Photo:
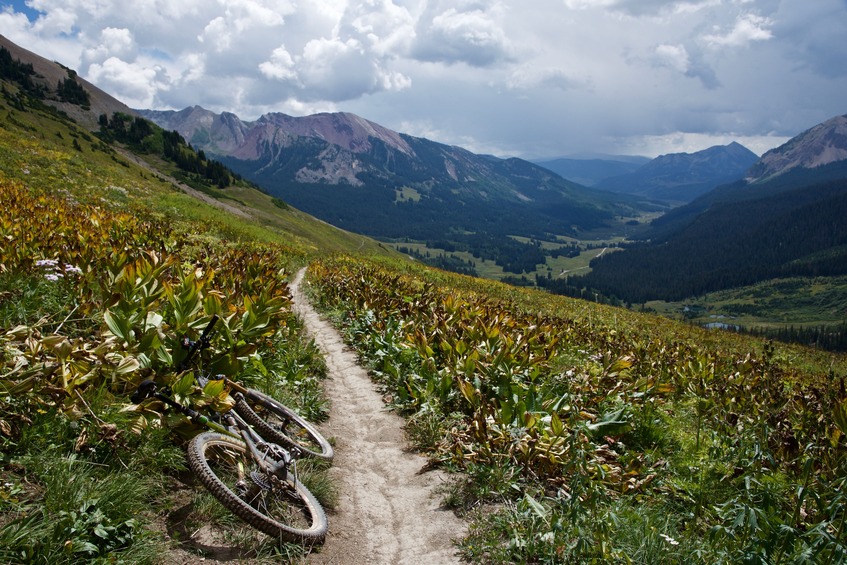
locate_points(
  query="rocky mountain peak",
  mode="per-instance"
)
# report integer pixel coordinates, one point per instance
(227, 134)
(343, 129)
(821, 145)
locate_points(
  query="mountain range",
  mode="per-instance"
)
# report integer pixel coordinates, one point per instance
(316, 163)
(784, 215)
(675, 178)
(365, 178)
(681, 177)
(300, 159)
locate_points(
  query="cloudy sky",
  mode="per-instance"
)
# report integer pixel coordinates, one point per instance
(528, 78)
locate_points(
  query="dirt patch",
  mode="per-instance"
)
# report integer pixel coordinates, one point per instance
(389, 509)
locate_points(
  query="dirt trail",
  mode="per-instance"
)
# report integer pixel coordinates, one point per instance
(388, 509)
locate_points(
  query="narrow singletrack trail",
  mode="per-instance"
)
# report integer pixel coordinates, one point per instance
(389, 508)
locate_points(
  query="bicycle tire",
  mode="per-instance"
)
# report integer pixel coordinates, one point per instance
(283, 509)
(277, 423)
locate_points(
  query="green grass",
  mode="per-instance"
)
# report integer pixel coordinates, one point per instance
(772, 304)
(553, 267)
(406, 194)
(76, 492)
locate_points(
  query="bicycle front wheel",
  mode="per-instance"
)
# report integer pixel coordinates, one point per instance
(280, 508)
(277, 423)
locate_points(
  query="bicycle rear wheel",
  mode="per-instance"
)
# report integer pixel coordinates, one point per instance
(277, 423)
(280, 508)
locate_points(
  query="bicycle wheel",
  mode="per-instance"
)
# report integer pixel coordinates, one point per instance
(280, 508)
(277, 423)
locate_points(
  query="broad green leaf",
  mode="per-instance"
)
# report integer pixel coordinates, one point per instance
(609, 423)
(184, 385)
(469, 392)
(118, 325)
(536, 506)
(127, 365)
(556, 424)
(256, 363)
(214, 388)
(507, 413)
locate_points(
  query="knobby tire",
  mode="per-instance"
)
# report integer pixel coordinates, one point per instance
(282, 509)
(277, 423)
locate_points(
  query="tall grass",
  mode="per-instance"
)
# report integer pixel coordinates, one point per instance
(73, 499)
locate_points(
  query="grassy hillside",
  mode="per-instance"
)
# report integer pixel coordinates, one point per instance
(771, 306)
(589, 434)
(106, 262)
(49, 152)
(579, 433)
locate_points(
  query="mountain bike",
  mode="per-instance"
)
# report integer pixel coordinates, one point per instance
(254, 477)
(272, 419)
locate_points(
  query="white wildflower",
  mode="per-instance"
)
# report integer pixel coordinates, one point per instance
(669, 539)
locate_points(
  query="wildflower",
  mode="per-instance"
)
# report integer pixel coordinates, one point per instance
(72, 269)
(669, 539)
(53, 276)
(47, 263)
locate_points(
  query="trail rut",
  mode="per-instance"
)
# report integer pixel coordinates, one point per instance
(389, 508)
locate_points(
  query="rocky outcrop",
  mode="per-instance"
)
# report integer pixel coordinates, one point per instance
(821, 145)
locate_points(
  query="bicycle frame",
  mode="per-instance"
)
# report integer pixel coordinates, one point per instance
(272, 458)
(256, 479)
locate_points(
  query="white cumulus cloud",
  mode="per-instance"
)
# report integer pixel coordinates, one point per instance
(473, 35)
(135, 85)
(540, 78)
(280, 66)
(747, 29)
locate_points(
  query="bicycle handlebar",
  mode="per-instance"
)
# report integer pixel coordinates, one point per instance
(147, 388)
(202, 343)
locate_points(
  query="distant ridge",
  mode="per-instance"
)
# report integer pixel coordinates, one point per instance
(681, 177)
(592, 170)
(788, 219)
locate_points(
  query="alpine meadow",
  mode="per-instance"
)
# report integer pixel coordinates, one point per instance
(572, 431)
